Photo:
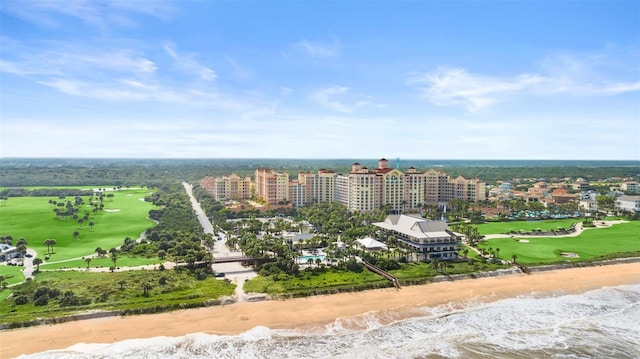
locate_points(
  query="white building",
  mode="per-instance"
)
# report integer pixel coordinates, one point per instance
(430, 239)
(628, 203)
(7, 252)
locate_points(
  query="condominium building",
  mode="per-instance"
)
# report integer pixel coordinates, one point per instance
(440, 188)
(362, 189)
(228, 187)
(320, 187)
(272, 187)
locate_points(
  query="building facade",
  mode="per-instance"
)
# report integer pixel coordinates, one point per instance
(428, 239)
(272, 187)
(362, 189)
(228, 187)
(628, 203)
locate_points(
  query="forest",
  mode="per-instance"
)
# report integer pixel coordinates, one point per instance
(155, 172)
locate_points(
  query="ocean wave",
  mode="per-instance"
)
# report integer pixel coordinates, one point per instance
(599, 323)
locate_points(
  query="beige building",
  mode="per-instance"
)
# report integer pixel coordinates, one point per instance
(228, 187)
(440, 188)
(272, 187)
(319, 187)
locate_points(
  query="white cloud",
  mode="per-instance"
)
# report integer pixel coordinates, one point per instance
(97, 13)
(338, 98)
(319, 49)
(457, 87)
(188, 63)
(451, 86)
(58, 59)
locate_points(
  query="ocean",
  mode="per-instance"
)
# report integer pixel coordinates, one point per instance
(602, 323)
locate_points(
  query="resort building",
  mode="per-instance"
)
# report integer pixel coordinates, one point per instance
(589, 205)
(429, 239)
(362, 189)
(228, 187)
(440, 188)
(272, 187)
(320, 187)
(630, 186)
(8, 252)
(371, 245)
(628, 203)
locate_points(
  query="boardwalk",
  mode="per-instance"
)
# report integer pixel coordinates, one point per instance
(234, 259)
(379, 271)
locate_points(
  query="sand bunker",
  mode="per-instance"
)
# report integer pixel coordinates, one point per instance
(570, 255)
(523, 241)
(112, 210)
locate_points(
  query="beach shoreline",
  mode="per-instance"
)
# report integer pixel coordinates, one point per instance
(314, 312)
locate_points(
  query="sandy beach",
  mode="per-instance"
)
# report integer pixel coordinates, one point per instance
(312, 311)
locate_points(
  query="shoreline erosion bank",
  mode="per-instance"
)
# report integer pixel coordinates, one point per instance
(314, 312)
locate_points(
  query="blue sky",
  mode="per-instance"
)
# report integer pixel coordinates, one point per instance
(293, 79)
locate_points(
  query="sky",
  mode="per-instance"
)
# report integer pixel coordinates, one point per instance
(322, 79)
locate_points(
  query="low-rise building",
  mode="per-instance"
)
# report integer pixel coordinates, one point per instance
(429, 239)
(630, 186)
(628, 203)
(8, 252)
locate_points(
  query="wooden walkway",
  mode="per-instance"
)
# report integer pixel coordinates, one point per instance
(233, 259)
(379, 271)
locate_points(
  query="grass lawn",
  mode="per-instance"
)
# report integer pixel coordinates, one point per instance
(124, 215)
(309, 281)
(12, 274)
(97, 262)
(592, 243)
(506, 227)
(420, 271)
(113, 291)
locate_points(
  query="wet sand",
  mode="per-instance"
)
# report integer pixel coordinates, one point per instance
(311, 312)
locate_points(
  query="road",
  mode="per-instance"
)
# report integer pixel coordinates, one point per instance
(235, 272)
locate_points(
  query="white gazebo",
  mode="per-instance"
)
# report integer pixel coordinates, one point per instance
(371, 245)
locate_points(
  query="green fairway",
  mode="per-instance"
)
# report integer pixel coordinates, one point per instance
(506, 227)
(124, 215)
(592, 243)
(11, 274)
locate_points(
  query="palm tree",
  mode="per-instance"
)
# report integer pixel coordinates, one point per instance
(146, 287)
(88, 260)
(91, 224)
(37, 261)
(513, 258)
(76, 234)
(114, 258)
(50, 243)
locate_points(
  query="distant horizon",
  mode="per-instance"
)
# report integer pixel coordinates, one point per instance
(390, 159)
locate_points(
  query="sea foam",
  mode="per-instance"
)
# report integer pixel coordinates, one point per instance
(598, 323)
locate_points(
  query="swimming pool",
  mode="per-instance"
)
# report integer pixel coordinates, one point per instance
(305, 259)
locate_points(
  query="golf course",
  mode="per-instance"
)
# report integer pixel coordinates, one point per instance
(122, 213)
(613, 240)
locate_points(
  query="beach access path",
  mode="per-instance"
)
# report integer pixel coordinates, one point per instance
(233, 271)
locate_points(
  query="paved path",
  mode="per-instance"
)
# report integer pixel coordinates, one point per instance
(235, 272)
